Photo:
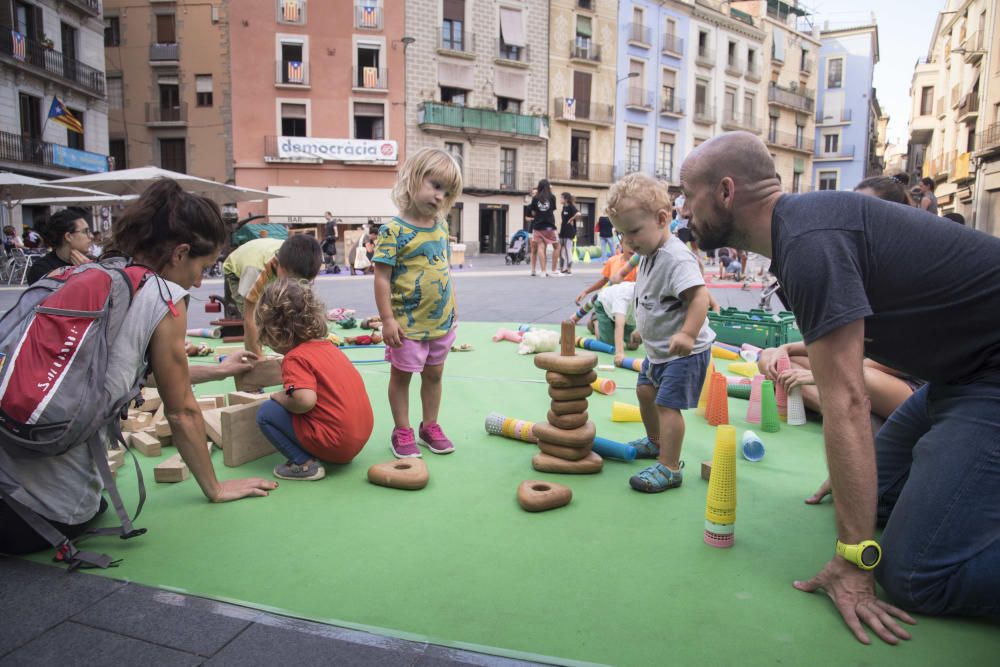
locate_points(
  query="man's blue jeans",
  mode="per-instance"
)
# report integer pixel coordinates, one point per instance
(276, 424)
(607, 247)
(939, 500)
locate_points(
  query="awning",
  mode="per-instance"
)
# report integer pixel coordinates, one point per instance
(511, 27)
(454, 75)
(310, 203)
(510, 84)
(583, 26)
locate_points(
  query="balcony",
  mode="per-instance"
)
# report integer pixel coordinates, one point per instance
(956, 95)
(291, 12)
(988, 142)
(596, 114)
(822, 118)
(704, 113)
(511, 54)
(791, 141)
(639, 98)
(35, 57)
(960, 168)
(157, 116)
(562, 170)
(462, 43)
(734, 67)
(968, 108)
(740, 121)
(672, 45)
(842, 153)
(164, 54)
(367, 18)
(370, 78)
(671, 105)
(705, 57)
(92, 7)
(439, 117)
(16, 148)
(585, 50)
(793, 98)
(497, 180)
(639, 34)
(973, 47)
(939, 107)
(753, 72)
(291, 73)
(626, 167)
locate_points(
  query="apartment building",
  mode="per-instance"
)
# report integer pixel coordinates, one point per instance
(981, 41)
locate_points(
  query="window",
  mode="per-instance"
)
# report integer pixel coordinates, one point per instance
(28, 20)
(368, 73)
(112, 31)
(508, 104)
(291, 11)
(512, 41)
(173, 155)
(31, 116)
(508, 166)
(831, 143)
(702, 44)
(729, 104)
(116, 92)
(927, 100)
(633, 151)
(751, 60)
(796, 182)
(170, 100)
(452, 32)
(584, 32)
(700, 98)
(827, 180)
(117, 154)
(800, 134)
(203, 89)
(454, 96)
(293, 67)
(750, 107)
(579, 155)
(670, 32)
(772, 130)
(731, 54)
(166, 32)
(804, 63)
(834, 72)
(665, 158)
(455, 150)
(293, 120)
(669, 91)
(369, 120)
(75, 139)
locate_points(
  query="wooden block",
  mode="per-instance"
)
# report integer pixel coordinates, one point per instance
(229, 349)
(244, 397)
(162, 430)
(213, 425)
(150, 400)
(146, 443)
(220, 399)
(242, 440)
(116, 458)
(166, 440)
(136, 422)
(265, 373)
(171, 471)
(211, 402)
(706, 470)
(408, 474)
(161, 415)
(537, 496)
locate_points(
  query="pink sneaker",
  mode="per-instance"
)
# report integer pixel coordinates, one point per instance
(435, 439)
(404, 445)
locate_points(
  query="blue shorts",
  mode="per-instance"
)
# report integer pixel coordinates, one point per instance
(678, 382)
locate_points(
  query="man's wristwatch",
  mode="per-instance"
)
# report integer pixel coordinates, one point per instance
(865, 555)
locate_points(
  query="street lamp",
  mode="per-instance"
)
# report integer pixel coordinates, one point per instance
(630, 75)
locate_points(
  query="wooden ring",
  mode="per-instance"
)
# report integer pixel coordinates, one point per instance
(567, 421)
(559, 380)
(570, 393)
(569, 407)
(578, 364)
(582, 436)
(567, 453)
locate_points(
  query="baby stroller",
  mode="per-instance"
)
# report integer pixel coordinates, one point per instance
(517, 251)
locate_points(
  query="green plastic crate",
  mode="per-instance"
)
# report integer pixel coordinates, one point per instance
(757, 327)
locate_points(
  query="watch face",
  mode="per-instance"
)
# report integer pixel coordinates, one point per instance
(869, 556)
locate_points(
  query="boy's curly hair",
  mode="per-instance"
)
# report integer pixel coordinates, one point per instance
(289, 313)
(650, 194)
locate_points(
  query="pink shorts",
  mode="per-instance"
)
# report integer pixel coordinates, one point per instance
(414, 355)
(546, 236)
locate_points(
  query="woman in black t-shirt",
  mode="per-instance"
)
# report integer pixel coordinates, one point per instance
(67, 232)
(567, 233)
(543, 234)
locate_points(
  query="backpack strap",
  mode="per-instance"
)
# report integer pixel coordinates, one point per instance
(99, 452)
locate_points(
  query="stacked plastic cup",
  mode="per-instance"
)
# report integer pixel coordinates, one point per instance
(720, 505)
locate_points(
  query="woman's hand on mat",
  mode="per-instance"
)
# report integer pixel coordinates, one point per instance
(795, 377)
(822, 492)
(853, 592)
(234, 489)
(238, 363)
(391, 333)
(680, 344)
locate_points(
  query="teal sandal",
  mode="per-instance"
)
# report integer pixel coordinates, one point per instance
(644, 449)
(656, 478)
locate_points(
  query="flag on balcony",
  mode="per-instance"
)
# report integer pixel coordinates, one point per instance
(296, 71)
(569, 108)
(60, 114)
(291, 11)
(18, 50)
(369, 17)
(370, 77)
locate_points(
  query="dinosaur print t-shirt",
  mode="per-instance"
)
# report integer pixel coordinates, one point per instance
(422, 299)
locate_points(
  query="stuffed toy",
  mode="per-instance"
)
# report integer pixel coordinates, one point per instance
(541, 340)
(507, 334)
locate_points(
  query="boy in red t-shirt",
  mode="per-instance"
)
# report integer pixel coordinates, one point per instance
(323, 412)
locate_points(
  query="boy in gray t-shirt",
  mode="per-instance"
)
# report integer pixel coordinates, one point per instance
(671, 316)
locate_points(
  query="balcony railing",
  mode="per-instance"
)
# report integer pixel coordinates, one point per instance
(157, 115)
(639, 97)
(497, 180)
(518, 54)
(162, 52)
(594, 113)
(371, 78)
(672, 44)
(822, 118)
(626, 167)
(989, 140)
(638, 32)
(562, 170)
(367, 18)
(734, 67)
(585, 50)
(291, 72)
(92, 7)
(35, 55)
(482, 120)
(671, 105)
(664, 172)
(842, 153)
(705, 56)
(794, 98)
(753, 72)
(17, 148)
(464, 42)
(968, 108)
(973, 46)
(740, 121)
(960, 170)
(704, 113)
(791, 140)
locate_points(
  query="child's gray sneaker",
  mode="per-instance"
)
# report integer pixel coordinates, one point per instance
(310, 471)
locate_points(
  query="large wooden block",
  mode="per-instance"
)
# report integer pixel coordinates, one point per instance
(162, 430)
(211, 402)
(151, 401)
(226, 350)
(242, 440)
(265, 373)
(213, 425)
(706, 470)
(116, 458)
(244, 397)
(146, 443)
(136, 421)
(171, 471)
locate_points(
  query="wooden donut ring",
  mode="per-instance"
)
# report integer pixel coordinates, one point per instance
(570, 393)
(538, 496)
(569, 407)
(542, 462)
(577, 437)
(567, 453)
(559, 380)
(567, 421)
(578, 364)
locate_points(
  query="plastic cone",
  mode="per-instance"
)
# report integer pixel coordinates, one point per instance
(769, 422)
(753, 410)
(780, 395)
(738, 390)
(753, 447)
(744, 368)
(624, 412)
(724, 353)
(720, 504)
(718, 401)
(586, 257)
(796, 407)
(604, 386)
(705, 389)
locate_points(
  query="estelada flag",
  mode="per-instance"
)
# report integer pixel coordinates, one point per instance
(60, 114)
